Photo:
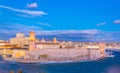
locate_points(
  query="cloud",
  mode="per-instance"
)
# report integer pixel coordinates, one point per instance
(14, 28)
(93, 31)
(117, 22)
(32, 5)
(4, 31)
(27, 12)
(101, 24)
(57, 32)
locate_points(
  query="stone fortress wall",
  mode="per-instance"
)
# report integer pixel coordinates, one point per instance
(46, 55)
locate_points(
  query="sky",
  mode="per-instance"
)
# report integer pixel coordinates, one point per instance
(59, 16)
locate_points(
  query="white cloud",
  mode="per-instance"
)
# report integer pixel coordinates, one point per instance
(101, 24)
(14, 28)
(32, 5)
(117, 22)
(4, 31)
(57, 32)
(28, 12)
(93, 31)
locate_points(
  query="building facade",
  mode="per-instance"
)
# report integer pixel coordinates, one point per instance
(20, 40)
(47, 45)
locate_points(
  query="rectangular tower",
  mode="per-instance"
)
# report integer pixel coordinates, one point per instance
(32, 40)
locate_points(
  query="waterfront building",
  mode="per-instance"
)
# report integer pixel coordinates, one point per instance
(6, 49)
(20, 35)
(18, 53)
(93, 51)
(92, 47)
(47, 45)
(7, 45)
(66, 45)
(96, 50)
(20, 40)
(4, 43)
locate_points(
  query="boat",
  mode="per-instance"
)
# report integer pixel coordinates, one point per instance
(112, 52)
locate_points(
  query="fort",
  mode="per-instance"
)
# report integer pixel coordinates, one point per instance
(31, 50)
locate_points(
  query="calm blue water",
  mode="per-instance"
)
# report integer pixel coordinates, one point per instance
(108, 65)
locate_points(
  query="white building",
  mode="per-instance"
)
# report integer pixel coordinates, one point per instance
(20, 35)
(93, 51)
(47, 45)
(20, 40)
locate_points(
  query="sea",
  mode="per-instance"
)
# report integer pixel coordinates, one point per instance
(107, 65)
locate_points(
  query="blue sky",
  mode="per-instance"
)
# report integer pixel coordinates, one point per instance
(59, 16)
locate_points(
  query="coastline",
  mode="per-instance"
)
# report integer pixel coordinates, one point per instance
(51, 62)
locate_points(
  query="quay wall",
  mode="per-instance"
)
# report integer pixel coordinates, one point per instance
(63, 52)
(57, 55)
(68, 53)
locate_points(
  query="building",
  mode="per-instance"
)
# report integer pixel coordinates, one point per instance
(47, 45)
(20, 35)
(6, 45)
(93, 51)
(20, 40)
(18, 53)
(43, 40)
(54, 40)
(6, 49)
(96, 51)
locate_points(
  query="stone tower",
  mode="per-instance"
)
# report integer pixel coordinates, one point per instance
(32, 40)
(54, 40)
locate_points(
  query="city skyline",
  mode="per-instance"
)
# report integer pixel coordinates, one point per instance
(59, 17)
(59, 36)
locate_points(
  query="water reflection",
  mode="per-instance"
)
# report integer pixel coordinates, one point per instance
(113, 69)
(20, 71)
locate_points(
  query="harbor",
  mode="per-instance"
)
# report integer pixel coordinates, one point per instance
(24, 49)
(59, 36)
